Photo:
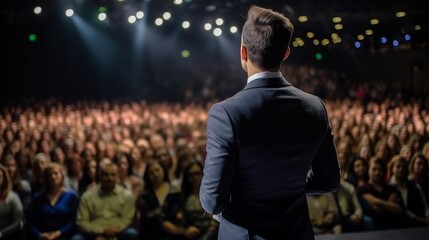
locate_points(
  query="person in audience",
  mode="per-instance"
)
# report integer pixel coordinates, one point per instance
(383, 202)
(74, 171)
(350, 210)
(89, 177)
(425, 150)
(20, 186)
(357, 172)
(418, 174)
(323, 213)
(39, 164)
(126, 178)
(107, 210)
(11, 211)
(52, 212)
(24, 164)
(411, 196)
(151, 201)
(138, 162)
(406, 152)
(184, 217)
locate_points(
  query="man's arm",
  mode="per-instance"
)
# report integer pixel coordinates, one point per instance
(324, 175)
(83, 221)
(220, 161)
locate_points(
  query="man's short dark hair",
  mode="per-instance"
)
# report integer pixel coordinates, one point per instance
(266, 35)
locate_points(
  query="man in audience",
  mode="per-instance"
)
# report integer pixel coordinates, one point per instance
(106, 211)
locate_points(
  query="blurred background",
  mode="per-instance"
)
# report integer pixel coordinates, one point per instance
(187, 49)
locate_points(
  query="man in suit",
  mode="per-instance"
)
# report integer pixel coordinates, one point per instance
(267, 146)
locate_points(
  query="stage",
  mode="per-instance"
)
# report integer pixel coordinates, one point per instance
(401, 234)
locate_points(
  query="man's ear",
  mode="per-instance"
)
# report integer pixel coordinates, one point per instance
(243, 53)
(286, 53)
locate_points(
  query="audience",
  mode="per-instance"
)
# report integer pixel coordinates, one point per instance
(370, 121)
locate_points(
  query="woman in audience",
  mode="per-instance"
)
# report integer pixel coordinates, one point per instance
(156, 189)
(19, 185)
(357, 172)
(11, 211)
(383, 202)
(39, 164)
(414, 206)
(24, 164)
(89, 177)
(184, 216)
(419, 170)
(126, 178)
(52, 213)
(137, 161)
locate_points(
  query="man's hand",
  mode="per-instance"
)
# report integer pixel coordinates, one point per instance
(355, 219)
(191, 232)
(111, 231)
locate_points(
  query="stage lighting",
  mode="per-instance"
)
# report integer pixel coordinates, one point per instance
(140, 14)
(102, 16)
(159, 21)
(207, 26)
(310, 35)
(233, 29)
(69, 12)
(217, 32)
(395, 43)
(383, 40)
(132, 19)
(166, 16)
(37, 10)
(186, 24)
(32, 37)
(219, 21)
(357, 45)
(407, 37)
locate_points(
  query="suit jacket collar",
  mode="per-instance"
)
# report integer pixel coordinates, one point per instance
(267, 82)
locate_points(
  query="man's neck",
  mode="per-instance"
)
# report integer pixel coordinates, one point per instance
(253, 69)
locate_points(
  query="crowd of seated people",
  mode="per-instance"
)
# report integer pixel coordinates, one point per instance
(68, 160)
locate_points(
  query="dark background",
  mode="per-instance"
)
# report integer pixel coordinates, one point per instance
(95, 59)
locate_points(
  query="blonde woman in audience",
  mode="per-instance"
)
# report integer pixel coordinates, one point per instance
(411, 196)
(52, 212)
(406, 152)
(11, 211)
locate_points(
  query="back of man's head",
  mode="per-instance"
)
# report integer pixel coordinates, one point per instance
(266, 35)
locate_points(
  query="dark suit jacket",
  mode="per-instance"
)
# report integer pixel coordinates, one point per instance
(267, 147)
